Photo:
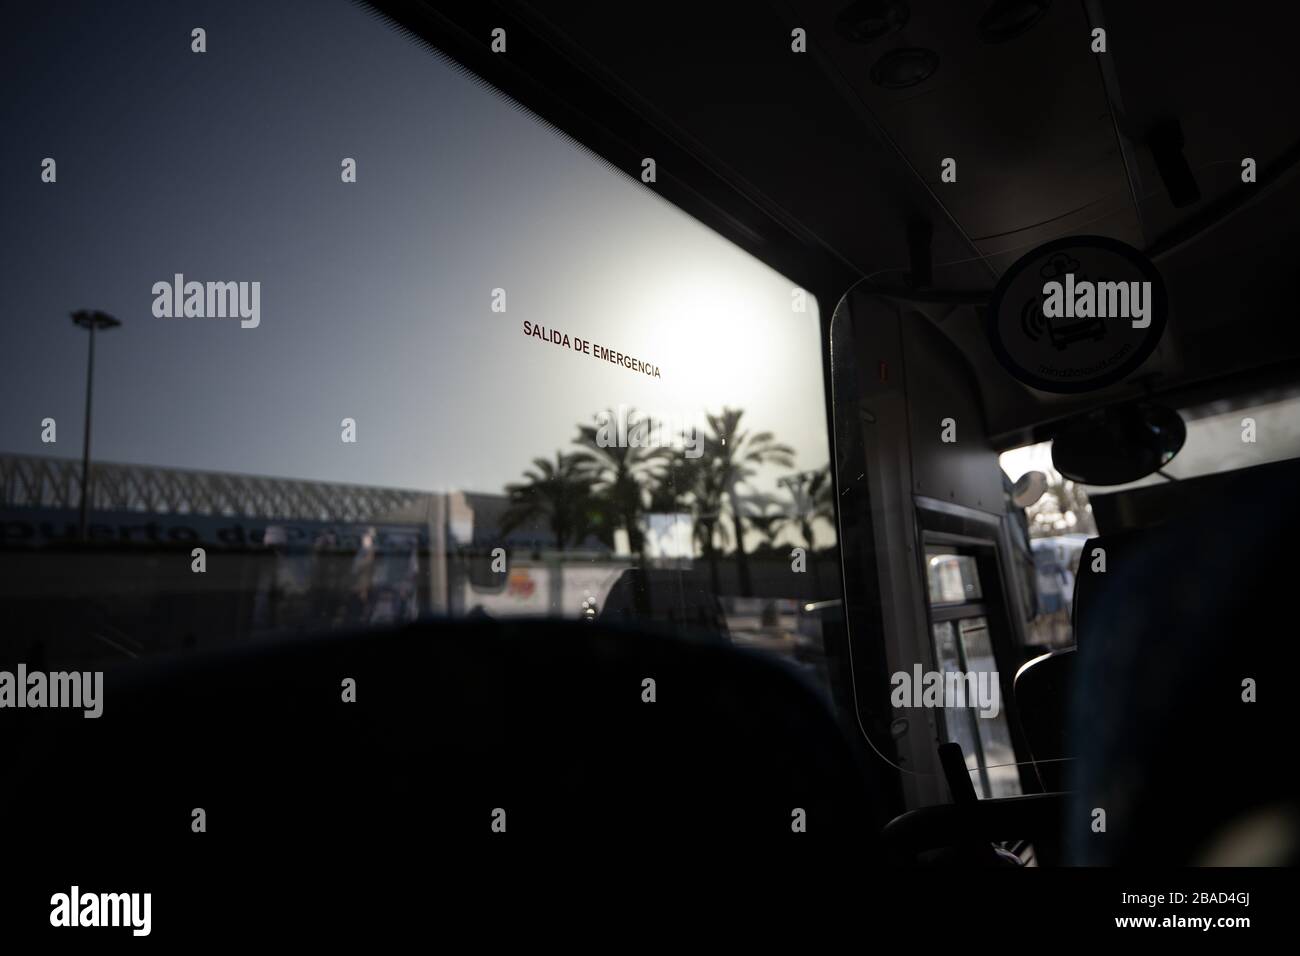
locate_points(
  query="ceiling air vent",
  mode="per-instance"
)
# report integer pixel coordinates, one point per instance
(908, 66)
(1005, 19)
(867, 20)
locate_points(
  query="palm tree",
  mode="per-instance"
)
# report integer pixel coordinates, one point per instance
(771, 520)
(623, 475)
(674, 491)
(812, 496)
(558, 491)
(734, 455)
(691, 484)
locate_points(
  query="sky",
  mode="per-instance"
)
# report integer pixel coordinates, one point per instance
(375, 296)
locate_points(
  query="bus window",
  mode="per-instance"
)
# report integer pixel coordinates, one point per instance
(464, 392)
(962, 646)
(1058, 523)
(953, 579)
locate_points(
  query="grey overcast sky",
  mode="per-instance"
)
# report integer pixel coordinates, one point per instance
(375, 296)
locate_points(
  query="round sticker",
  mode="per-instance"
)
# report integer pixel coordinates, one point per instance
(1077, 314)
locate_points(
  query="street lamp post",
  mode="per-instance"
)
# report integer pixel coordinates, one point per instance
(92, 320)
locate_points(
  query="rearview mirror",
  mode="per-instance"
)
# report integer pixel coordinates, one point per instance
(1028, 488)
(1113, 446)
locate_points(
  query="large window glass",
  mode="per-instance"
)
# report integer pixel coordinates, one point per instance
(964, 649)
(388, 347)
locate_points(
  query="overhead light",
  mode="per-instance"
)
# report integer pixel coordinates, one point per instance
(904, 67)
(865, 20)
(1005, 19)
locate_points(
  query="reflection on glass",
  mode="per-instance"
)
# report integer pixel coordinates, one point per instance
(959, 722)
(999, 755)
(963, 645)
(952, 578)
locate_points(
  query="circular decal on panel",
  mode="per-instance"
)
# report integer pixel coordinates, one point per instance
(1077, 314)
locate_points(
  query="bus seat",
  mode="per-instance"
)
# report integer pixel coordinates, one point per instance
(1171, 736)
(1042, 687)
(549, 720)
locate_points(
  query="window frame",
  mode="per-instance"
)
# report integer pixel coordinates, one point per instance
(962, 530)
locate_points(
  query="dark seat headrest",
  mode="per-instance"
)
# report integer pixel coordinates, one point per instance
(1042, 688)
(1171, 743)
